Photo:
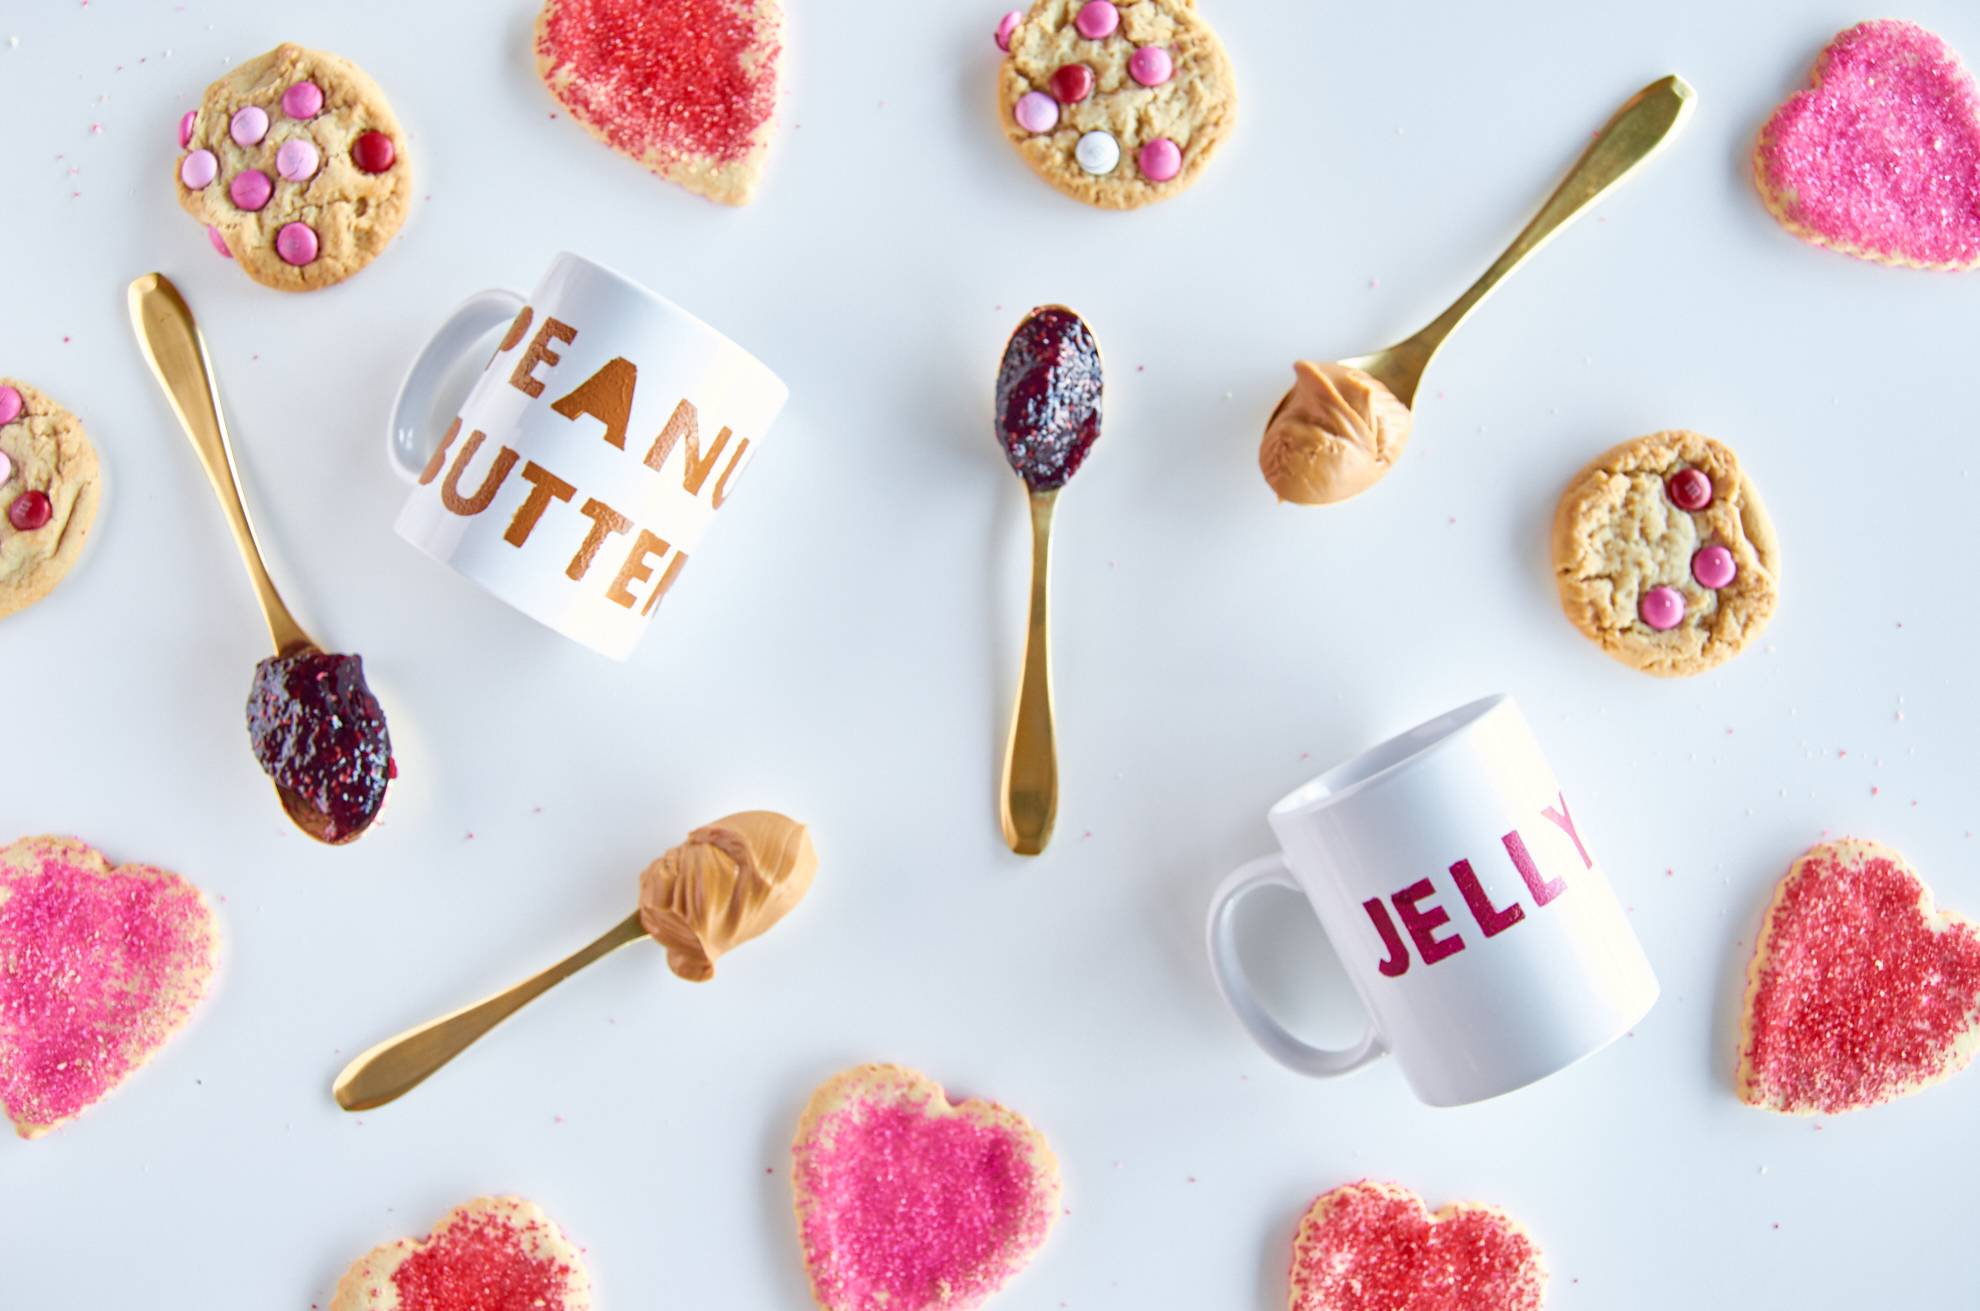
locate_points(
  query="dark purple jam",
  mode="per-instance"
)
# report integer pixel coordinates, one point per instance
(1048, 397)
(320, 734)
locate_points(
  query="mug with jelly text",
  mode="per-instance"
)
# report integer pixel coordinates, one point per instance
(592, 452)
(1480, 934)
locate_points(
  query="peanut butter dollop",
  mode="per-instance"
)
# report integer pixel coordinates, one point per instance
(729, 882)
(1334, 435)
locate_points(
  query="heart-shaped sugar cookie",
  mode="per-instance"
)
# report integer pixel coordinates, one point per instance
(686, 87)
(1859, 991)
(492, 1254)
(1376, 1247)
(1880, 158)
(906, 1202)
(98, 968)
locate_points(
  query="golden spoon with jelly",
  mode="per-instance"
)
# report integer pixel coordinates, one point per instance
(1048, 417)
(316, 729)
(1341, 427)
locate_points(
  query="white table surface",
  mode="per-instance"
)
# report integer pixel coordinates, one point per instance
(846, 646)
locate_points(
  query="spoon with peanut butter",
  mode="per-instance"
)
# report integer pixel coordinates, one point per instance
(1343, 425)
(314, 725)
(731, 881)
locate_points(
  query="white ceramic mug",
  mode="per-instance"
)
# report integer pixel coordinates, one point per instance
(591, 453)
(1448, 871)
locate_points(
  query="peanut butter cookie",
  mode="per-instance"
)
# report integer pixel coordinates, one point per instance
(297, 167)
(49, 489)
(1664, 555)
(1116, 104)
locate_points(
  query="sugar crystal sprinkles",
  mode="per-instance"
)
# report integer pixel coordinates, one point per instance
(1376, 1247)
(1881, 157)
(98, 967)
(1859, 991)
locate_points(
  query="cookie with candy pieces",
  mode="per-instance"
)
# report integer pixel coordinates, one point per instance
(687, 88)
(297, 166)
(908, 1202)
(50, 487)
(1664, 555)
(1377, 1247)
(491, 1254)
(99, 967)
(1116, 104)
(1860, 990)
(1880, 157)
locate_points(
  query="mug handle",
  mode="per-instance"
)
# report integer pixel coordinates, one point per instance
(476, 317)
(1278, 1041)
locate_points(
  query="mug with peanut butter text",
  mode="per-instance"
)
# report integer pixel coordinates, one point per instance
(594, 448)
(1469, 913)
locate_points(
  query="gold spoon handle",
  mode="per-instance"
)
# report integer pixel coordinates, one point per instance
(172, 345)
(1031, 766)
(398, 1065)
(1650, 118)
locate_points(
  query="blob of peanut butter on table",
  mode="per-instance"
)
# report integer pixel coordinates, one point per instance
(1336, 433)
(731, 881)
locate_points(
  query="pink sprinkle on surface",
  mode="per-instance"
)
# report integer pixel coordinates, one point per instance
(905, 1202)
(1881, 157)
(1859, 991)
(98, 967)
(1376, 1247)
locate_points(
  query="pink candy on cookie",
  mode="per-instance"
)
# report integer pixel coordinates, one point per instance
(1006, 27)
(303, 101)
(1880, 158)
(1036, 112)
(1097, 20)
(198, 169)
(251, 189)
(186, 121)
(1151, 66)
(298, 159)
(10, 405)
(1160, 160)
(296, 243)
(248, 126)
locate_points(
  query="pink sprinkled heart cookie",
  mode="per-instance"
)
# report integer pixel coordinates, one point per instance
(688, 88)
(50, 486)
(99, 966)
(1880, 158)
(1118, 103)
(1860, 991)
(906, 1202)
(1376, 1247)
(492, 1254)
(297, 167)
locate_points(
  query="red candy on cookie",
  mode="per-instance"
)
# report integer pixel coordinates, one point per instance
(908, 1203)
(1859, 991)
(1376, 1247)
(688, 88)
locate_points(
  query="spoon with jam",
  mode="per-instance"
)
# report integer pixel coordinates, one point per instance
(316, 729)
(1048, 417)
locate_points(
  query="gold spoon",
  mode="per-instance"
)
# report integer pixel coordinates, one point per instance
(1048, 417)
(731, 881)
(400, 1064)
(1645, 122)
(173, 346)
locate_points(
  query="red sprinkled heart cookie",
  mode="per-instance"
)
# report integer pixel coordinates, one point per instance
(493, 1254)
(686, 87)
(98, 968)
(1376, 1247)
(906, 1202)
(1880, 159)
(1859, 991)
